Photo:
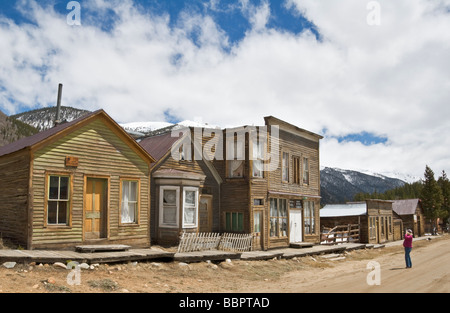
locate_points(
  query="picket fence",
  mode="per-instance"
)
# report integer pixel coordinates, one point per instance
(190, 242)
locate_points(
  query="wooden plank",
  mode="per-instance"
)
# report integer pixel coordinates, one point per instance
(101, 248)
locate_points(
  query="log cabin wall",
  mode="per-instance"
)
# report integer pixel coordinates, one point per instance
(102, 154)
(14, 197)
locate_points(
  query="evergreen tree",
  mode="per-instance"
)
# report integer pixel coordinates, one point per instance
(444, 184)
(432, 198)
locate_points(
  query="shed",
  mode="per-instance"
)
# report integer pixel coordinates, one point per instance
(411, 213)
(375, 218)
(86, 181)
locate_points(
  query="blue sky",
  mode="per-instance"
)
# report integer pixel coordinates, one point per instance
(378, 92)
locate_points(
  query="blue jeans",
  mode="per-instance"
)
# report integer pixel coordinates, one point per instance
(408, 257)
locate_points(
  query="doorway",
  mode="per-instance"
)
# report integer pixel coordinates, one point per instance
(205, 213)
(95, 209)
(295, 226)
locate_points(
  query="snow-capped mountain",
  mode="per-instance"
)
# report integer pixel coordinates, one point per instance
(43, 119)
(339, 185)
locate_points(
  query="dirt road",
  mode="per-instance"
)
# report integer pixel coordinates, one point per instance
(430, 273)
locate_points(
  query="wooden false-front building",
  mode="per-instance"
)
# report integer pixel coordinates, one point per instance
(82, 182)
(272, 187)
(411, 213)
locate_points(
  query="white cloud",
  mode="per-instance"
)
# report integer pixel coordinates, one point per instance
(390, 80)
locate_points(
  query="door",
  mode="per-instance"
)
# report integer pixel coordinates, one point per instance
(95, 208)
(205, 213)
(295, 226)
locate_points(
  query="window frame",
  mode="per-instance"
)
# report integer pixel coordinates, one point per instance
(285, 166)
(235, 225)
(306, 171)
(161, 206)
(138, 202)
(195, 206)
(297, 174)
(258, 149)
(69, 201)
(309, 213)
(278, 219)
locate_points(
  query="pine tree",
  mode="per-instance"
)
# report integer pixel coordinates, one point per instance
(432, 198)
(444, 184)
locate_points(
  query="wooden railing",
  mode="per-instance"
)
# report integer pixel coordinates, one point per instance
(190, 242)
(340, 234)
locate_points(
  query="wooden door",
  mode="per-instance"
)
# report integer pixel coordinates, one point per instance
(95, 208)
(295, 226)
(205, 213)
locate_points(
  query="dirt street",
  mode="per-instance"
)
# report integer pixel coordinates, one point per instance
(430, 273)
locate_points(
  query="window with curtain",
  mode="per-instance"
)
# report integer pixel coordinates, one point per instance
(309, 217)
(130, 196)
(168, 206)
(278, 217)
(190, 207)
(235, 161)
(58, 200)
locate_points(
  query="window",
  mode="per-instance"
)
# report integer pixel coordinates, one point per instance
(310, 227)
(285, 167)
(58, 200)
(190, 207)
(258, 160)
(168, 206)
(257, 221)
(296, 170)
(258, 201)
(306, 171)
(372, 227)
(234, 222)
(278, 217)
(129, 201)
(236, 160)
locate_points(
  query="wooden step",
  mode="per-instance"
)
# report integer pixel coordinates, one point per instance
(101, 248)
(300, 245)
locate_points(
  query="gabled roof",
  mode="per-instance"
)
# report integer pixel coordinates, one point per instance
(349, 209)
(405, 207)
(158, 145)
(49, 135)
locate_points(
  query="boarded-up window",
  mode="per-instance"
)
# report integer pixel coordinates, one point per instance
(58, 200)
(296, 170)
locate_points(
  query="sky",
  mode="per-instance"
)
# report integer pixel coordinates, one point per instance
(372, 77)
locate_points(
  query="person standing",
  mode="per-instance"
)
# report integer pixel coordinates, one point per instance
(407, 244)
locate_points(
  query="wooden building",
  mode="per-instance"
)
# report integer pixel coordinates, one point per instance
(186, 190)
(376, 219)
(86, 181)
(411, 213)
(268, 186)
(272, 188)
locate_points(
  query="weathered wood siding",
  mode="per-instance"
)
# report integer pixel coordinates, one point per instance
(14, 182)
(102, 153)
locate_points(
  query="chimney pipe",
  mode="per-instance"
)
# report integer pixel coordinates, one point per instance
(58, 105)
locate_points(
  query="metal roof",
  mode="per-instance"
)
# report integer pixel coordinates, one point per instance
(158, 146)
(405, 207)
(349, 209)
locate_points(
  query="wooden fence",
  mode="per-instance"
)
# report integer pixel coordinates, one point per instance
(340, 234)
(190, 242)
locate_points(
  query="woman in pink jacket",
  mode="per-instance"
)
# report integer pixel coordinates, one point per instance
(407, 244)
